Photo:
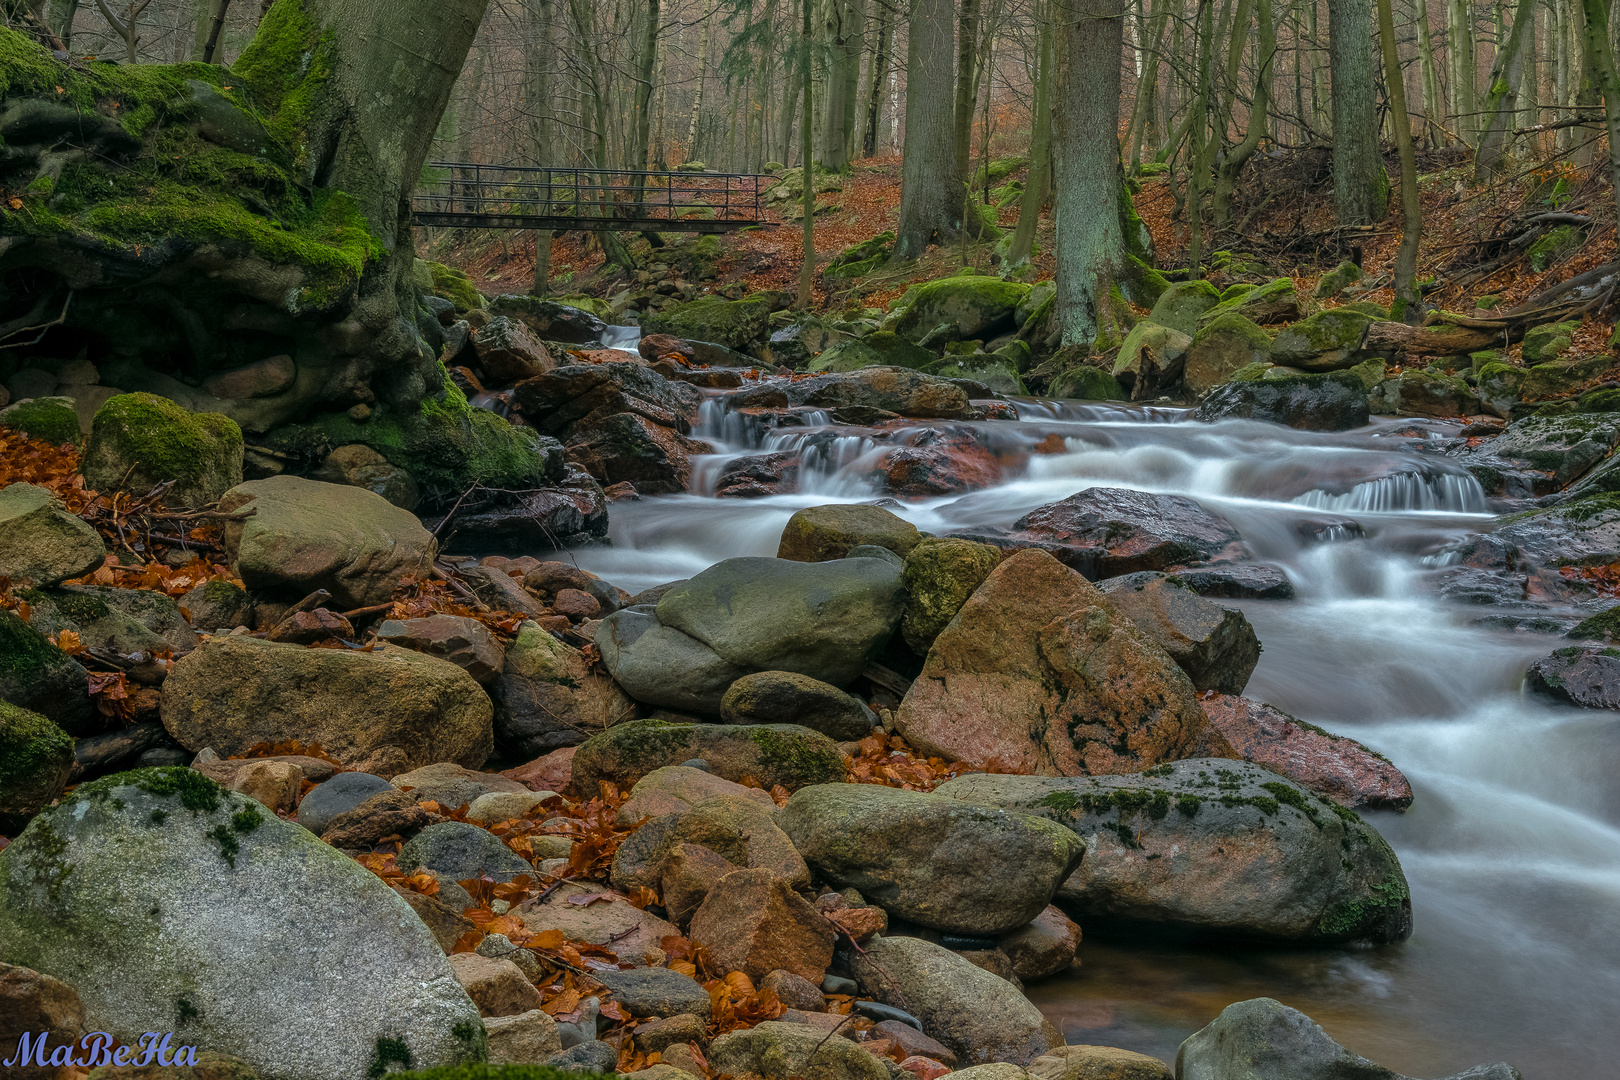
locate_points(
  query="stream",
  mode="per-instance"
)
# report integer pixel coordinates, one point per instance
(1512, 845)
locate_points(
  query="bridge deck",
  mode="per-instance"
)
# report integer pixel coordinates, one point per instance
(599, 200)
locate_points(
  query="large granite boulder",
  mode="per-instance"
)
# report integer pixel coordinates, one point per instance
(772, 754)
(941, 573)
(234, 692)
(659, 665)
(932, 860)
(153, 892)
(1214, 645)
(304, 535)
(40, 542)
(1040, 673)
(820, 533)
(786, 697)
(1216, 847)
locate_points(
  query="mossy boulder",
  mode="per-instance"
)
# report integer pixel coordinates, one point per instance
(878, 349)
(1222, 347)
(126, 621)
(772, 754)
(1266, 305)
(1604, 626)
(40, 542)
(138, 441)
(860, 259)
(1338, 279)
(998, 170)
(52, 419)
(1428, 393)
(36, 757)
(1499, 385)
(1366, 307)
(1334, 401)
(820, 533)
(940, 574)
(1557, 245)
(736, 324)
(1082, 382)
(1000, 375)
(166, 863)
(976, 306)
(1326, 341)
(1180, 306)
(455, 286)
(1559, 378)
(37, 675)
(1151, 359)
(1548, 341)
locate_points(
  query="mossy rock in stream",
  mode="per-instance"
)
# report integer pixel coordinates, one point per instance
(974, 305)
(36, 757)
(736, 324)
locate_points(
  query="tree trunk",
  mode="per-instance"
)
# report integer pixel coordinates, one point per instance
(1433, 130)
(1597, 35)
(1406, 298)
(1086, 167)
(1239, 155)
(807, 263)
(1040, 152)
(877, 70)
(646, 66)
(215, 27)
(1360, 188)
(702, 73)
(1501, 99)
(930, 182)
(1460, 57)
(1588, 96)
(967, 37)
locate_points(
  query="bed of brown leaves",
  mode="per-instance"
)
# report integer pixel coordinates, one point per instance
(891, 761)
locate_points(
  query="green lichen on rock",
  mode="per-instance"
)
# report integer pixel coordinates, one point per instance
(1604, 626)
(1556, 245)
(36, 757)
(1335, 281)
(140, 440)
(1081, 382)
(48, 418)
(1350, 919)
(1180, 306)
(736, 324)
(1549, 340)
(975, 305)
(940, 574)
(860, 259)
(455, 286)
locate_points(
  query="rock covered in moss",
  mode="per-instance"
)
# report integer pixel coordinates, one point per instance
(1338, 279)
(547, 696)
(1548, 341)
(1336, 401)
(929, 859)
(1216, 846)
(1427, 393)
(1326, 341)
(775, 1050)
(736, 324)
(37, 675)
(165, 863)
(1223, 347)
(1560, 377)
(1150, 359)
(893, 389)
(36, 757)
(40, 542)
(1082, 382)
(940, 574)
(1586, 675)
(52, 419)
(234, 692)
(217, 604)
(305, 535)
(1180, 306)
(976, 306)
(455, 286)
(771, 753)
(140, 440)
(1277, 301)
(1565, 447)
(125, 621)
(820, 533)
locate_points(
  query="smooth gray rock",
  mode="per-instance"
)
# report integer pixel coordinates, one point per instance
(1217, 847)
(825, 620)
(462, 851)
(656, 991)
(932, 860)
(40, 542)
(172, 904)
(594, 1056)
(1214, 645)
(662, 666)
(875, 551)
(785, 697)
(342, 793)
(1262, 1039)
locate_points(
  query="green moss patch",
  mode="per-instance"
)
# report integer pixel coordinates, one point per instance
(51, 419)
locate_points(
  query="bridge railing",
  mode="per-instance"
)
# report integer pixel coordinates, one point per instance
(509, 196)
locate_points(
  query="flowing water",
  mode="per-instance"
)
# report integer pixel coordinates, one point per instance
(1512, 846)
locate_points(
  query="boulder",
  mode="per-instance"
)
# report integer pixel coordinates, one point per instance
(820, 533)
(138, 441)
(1586, 675)
(936, 462)
(1336, 401)
(978, 1016)
(1082, 382)
(975, 307)
(1104, 532)
(752, 921)
(1150, 360)
(1327, 341)
(689, 873)
(1214, 645)
(892, 389)
(1097, 1063)
(1263, 1039)
(1342, 769)
(460, 851)
(305, 535)
(233, 692)
(217, 604)
(40, 542)
(451, 785)
(538, 518)
(548, 695)
(551, 319)
(358, 465)
(772, 754)
(929, 859)
(1179, 306)
(124, 621)
(738, 829)
(525, 1039)
(754, 476)
(626, 448)
(736, 324)
(1277, 301)
(498, 987)
(339, 795)
(1040, 673)
(1222, 349)
(574, 398)
(36, 675)
(785, 697)
(774, 1050)
(609, 920)
(494, 807)
(222, 887)
(656, 992)
(463, 641)
(39, 416)
(1338, 279)
(262, 378)
(675, 789)
(1548, 340)
(44, 1010)
(1216, 847)
(826, 620)
(659, 665)
(1427, 393)
(1237, 581)
(940, 574)
(36, 758)
(1043, 946)
(508, 353)
(1566, 447)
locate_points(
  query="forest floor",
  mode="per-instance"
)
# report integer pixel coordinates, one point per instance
(1477, 242)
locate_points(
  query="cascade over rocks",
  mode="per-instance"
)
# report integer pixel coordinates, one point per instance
(1216, 847)
(1333, 402)
(893, 389)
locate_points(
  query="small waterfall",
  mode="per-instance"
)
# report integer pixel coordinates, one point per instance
(1457, 493)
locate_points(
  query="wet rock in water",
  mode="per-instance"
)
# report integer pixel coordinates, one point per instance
(304, 535)
(509, 353)
(826, 620)
(774, 1050)
(1336, 401)
(1217, 847)
(1342, 769)
(234, 692)
(929, 859)
(40, 542)
(1214, 645)
(785, 697)
(936, 463)
(549, 696)
(772, 754)
(979, 1016)
(36, 758)
(1040, 673)
(1105, 532)
(342, 793)
(550, 319)
(463, 641)
(1564, 446)
(43, 1009)
(754, 922)
(223, 886)
(754, 476)
(660, 665)
(141, 440)
(822, 533)
(1584, 675)
(626, 448)
(1521, 560)
(461, 850)
(1237, 581)
(1263, 1039)
(576, 397)
(1044, 946)
(940, 574)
